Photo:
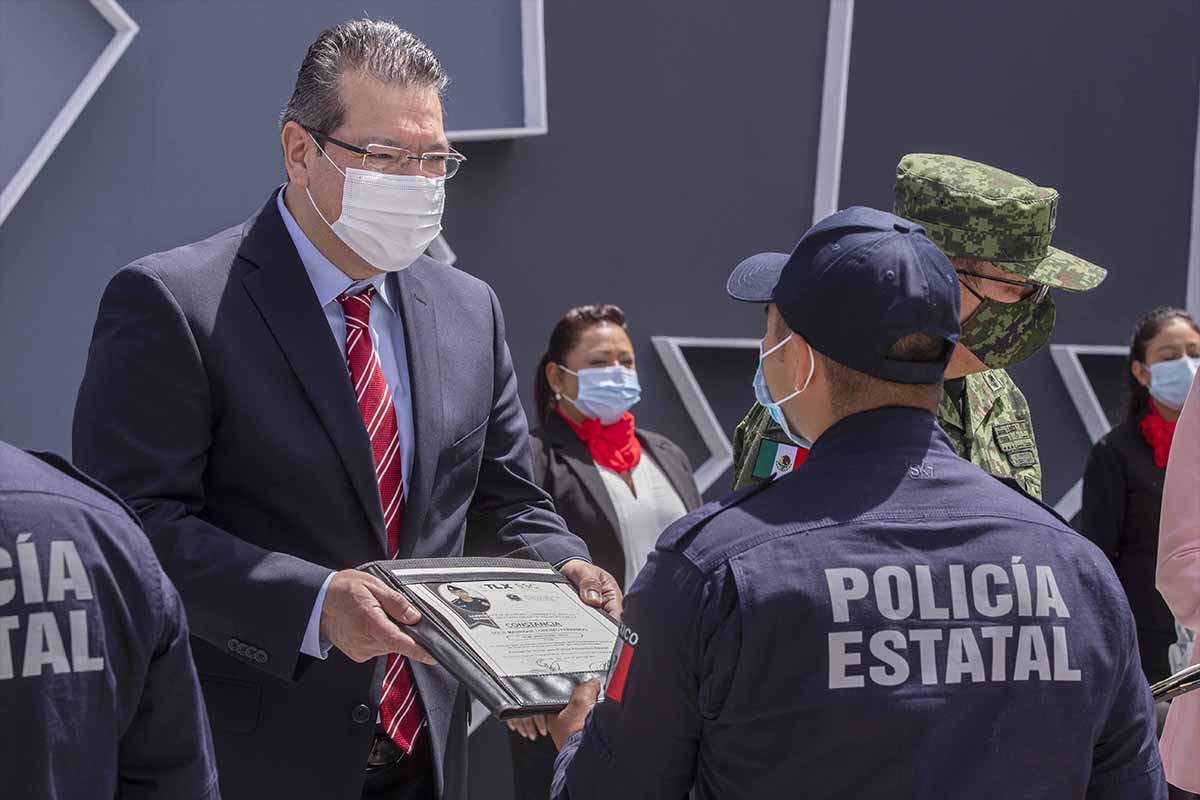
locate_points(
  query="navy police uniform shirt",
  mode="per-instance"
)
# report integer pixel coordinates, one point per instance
(886, 621)
(98, 693)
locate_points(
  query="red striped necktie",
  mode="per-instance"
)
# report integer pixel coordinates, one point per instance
(400, 709)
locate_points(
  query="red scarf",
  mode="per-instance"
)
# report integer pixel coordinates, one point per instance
(614, 446)
(1158, 433)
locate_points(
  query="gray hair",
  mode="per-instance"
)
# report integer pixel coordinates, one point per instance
(382, 50)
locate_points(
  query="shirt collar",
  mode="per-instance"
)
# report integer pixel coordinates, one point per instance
(327, 280)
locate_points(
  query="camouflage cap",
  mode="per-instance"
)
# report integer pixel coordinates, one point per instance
(972, 210)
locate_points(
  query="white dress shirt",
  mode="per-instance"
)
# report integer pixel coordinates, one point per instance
(387, 334)
(641, 519)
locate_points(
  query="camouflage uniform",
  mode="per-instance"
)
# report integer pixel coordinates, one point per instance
(974, 211)
(998, 437)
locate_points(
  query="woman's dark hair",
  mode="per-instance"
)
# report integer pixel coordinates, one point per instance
(563, 338)
(1146, 329)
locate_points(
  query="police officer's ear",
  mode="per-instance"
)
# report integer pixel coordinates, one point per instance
(807, 363)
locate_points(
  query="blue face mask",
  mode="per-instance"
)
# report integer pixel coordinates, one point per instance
(1171, 380)
(605, 393)
(763, 395)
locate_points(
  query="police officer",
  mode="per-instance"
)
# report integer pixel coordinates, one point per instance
(996, 228)
(98, 694)
(889, 621)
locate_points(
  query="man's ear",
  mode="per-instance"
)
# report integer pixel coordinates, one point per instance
(295, 141)
(802, 353)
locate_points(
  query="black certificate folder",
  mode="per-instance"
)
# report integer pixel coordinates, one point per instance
(514, 632)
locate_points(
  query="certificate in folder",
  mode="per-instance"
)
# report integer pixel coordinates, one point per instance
(514, 632)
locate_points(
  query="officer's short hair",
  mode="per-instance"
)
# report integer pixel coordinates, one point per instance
(852, 391)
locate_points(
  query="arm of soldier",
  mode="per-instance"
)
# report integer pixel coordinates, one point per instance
(642, 740)
(167, 750)
(745, 440)
(1125, 762)
(1103, 514)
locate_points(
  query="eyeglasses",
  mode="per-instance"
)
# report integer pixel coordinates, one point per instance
(395, 160)
(1039, 291)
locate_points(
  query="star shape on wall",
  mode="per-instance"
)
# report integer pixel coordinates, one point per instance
(124, 29)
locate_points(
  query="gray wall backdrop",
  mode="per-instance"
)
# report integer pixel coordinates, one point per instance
(683, 136)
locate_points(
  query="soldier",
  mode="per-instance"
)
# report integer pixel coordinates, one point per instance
(98, 693)
(996, 229)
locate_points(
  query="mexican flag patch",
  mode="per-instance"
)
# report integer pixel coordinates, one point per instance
(775, 458)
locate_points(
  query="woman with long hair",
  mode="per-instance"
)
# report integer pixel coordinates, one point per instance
(1123, 483)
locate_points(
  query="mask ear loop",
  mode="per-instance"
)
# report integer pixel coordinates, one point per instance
(812, 366)
(560, 395)
(307, 192)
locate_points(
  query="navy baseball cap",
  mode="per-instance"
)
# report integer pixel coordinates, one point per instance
(858, 282)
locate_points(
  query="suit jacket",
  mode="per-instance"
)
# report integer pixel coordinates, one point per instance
(563, 467)
(1179, 582)
(1122, 503)
(217, 403)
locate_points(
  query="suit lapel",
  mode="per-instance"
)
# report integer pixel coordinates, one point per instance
(579, 460)
(672, 469)
(284, 296)
(425, 375)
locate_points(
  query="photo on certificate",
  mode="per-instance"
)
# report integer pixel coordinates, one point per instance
(514, 632)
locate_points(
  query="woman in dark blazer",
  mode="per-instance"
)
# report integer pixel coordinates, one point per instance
(1123, 482)
(616, 485)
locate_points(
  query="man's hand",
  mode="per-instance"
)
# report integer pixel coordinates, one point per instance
(596, 587)
(529, 727)
(571, 719)
(359, 618)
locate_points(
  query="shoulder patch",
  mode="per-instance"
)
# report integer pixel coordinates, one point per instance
(74, 473)
(681, 532)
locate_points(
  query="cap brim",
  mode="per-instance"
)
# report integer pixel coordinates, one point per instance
(753, 280)
(1059, 269)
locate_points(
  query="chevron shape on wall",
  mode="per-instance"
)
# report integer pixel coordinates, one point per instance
(1085, 398)
(124, 29)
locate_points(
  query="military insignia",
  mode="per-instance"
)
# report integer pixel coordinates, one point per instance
(1016, 442)
(992, 381)
(1022, 458)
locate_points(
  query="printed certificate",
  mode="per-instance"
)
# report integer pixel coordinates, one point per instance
(514, 632)
(524, 627)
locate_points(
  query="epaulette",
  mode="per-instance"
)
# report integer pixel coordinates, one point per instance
(74, 473)
(681, 533)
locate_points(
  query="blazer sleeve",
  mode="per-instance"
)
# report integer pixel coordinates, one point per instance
(142, 426)
(538, 447)
(507, 500)
(1178, 576)
(1102, 517)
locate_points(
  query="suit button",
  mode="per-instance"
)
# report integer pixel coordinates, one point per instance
(233, 644)
(261, 656)
(361, 714)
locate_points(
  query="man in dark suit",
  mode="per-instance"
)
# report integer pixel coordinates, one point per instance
(307, 392)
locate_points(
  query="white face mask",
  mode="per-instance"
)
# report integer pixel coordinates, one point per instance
(388, 220)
